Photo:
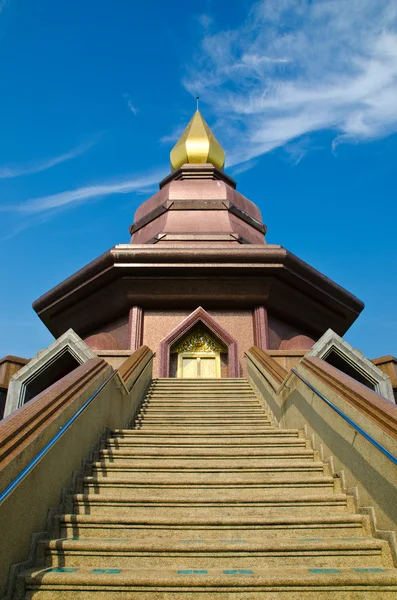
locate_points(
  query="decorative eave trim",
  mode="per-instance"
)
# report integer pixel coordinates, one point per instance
(199, 171)
(197, 205)
(248, 255)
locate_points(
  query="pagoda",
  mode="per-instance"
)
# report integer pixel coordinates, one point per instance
(198, 283)
(199, 428)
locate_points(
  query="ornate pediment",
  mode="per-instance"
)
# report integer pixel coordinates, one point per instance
(198, 340)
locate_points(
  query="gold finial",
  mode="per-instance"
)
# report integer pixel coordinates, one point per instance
(198, 145)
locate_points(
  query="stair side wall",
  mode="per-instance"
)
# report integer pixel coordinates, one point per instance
(294, 405)
(24, 511)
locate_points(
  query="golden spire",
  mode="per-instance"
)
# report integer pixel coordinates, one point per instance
(197, 144)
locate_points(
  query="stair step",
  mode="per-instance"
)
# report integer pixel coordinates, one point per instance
(247, 554)
(220, 479)
(267, 505)
(140, 437)
(201, 411)
(207, 429)
(207, 442)
(222, 395)
(219, 421)
(206, 499)
(215, 497)
(221, 434)
(198, 419)
(184, 445)
(245, 456)
(203, 403)
(213, 467)
(197, 381)
(194, 398)
(221, 583)
(107, 485)
(202, 464)
(349, 525)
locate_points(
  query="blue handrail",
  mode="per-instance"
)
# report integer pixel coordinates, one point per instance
(52, 441)
(381, 448)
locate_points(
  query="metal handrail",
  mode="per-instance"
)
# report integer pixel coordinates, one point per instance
(30, 466)
(366, 435)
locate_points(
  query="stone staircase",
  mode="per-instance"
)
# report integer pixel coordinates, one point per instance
(206, 498)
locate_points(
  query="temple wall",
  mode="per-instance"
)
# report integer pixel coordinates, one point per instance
(285, 336)
(119, 329)
(159, 323)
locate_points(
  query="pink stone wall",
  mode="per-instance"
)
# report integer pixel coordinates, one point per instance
(102, 341)
(195, 218)
(158, 324)
(285, 336)
(119, 330)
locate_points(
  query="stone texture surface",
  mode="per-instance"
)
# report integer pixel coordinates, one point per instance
(159, 323)
(135, 327)
(205, 497)
(25, 511)
(286, 336)
(261, 327)
(211, 275)
(197, 206)
(102, 341)
(287, 358)
(332, 342)
(363, 466)
(114, 358)
(388, 364)
(68, 342)
(118, 329)
(199, 316)
(9, 365)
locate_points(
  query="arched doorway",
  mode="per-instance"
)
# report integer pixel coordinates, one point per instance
(199, 320)
(197, 355)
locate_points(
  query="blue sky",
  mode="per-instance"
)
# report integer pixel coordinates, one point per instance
(302, 94)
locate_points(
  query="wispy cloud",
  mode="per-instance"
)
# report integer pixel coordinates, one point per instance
(3, 4)
(30, 168)
(130, 105)
(174, 136)
(45, 204)
(244, 166)
(296, 67)
(205, 20)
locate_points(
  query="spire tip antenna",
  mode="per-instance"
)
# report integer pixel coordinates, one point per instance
(197, 102)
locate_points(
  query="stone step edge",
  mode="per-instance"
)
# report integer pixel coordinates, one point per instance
(290, 498)
(282, 521)
(268, 432)
(126, 465)
(285, 545)
(214, 579)
(113, 481)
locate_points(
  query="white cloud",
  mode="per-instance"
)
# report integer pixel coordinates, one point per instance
(205, 20)
(174, 136)
(130, 105)
(295, 67)
(243, 167)
(81, 195)
(30, 168)
(3, 4)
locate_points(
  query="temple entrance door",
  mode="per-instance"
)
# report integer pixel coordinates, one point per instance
(196, 365)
